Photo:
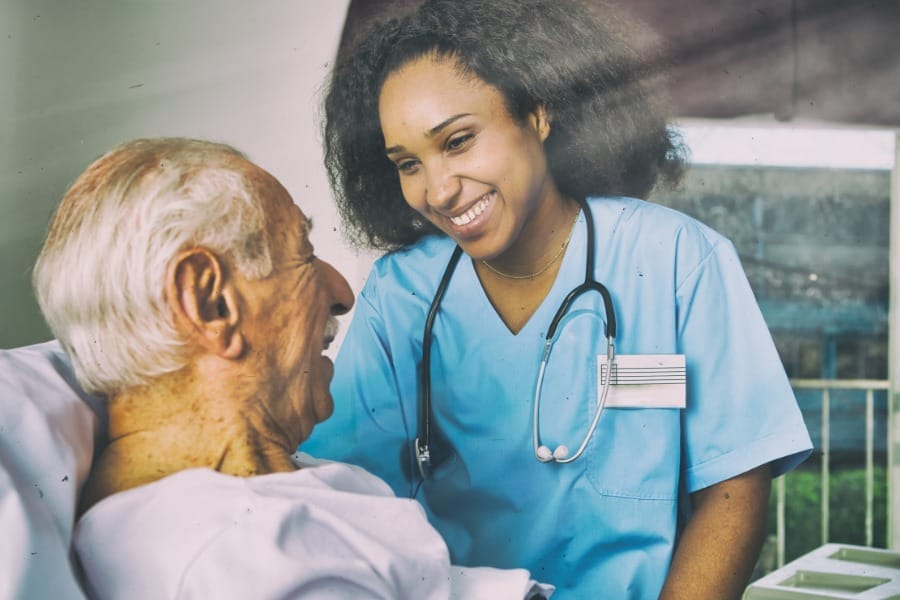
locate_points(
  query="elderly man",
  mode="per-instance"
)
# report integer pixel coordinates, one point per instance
(181, 280)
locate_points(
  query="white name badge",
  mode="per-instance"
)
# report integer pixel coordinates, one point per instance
(644, 381)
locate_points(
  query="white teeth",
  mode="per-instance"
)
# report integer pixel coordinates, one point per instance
(466, 217)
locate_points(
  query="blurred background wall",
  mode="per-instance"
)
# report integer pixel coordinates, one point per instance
(77, 78)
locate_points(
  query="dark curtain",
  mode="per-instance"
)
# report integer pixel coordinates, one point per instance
(829, 60)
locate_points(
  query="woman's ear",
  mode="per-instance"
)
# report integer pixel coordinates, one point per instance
(204, 302)
(540, 121)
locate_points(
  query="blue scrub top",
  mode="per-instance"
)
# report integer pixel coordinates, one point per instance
(606, 524)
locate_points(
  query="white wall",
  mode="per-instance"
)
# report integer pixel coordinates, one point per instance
(77, 78)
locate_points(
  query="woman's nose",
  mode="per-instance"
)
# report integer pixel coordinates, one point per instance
(442, 185)
(338, 289)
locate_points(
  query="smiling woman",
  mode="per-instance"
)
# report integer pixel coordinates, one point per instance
(507, 145)
(594, 89)
(473, 171)
(480, 176)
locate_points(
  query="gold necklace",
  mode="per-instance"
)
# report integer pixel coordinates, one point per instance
(546, 266)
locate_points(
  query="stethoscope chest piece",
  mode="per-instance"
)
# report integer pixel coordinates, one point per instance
(423, 458)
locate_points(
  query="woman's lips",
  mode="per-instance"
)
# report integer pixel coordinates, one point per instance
(470, 215)
(470, 222)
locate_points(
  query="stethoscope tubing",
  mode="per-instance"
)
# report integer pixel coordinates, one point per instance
(536, 404)
(589, 284)
(423, 438)
(422, 448)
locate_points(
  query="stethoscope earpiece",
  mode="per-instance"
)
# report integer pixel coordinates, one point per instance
(544, 455)
(560, 453)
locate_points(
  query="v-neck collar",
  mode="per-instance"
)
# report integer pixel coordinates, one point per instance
(570, 274)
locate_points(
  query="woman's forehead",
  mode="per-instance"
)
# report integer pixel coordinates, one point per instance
(422, 94)
(443, 71)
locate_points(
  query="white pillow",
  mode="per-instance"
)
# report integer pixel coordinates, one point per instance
(48, 430)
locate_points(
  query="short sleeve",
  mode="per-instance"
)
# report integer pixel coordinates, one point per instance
(741, 411)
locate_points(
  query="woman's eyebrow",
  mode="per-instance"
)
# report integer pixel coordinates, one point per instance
(444, 124)
(431, 132)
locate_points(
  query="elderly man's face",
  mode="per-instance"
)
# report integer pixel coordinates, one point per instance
(291, 320)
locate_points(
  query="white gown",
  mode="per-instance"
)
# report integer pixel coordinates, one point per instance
(328, 530)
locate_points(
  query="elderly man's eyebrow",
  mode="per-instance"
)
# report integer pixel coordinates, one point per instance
(305, 229)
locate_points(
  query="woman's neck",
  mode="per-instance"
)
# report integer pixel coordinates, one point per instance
(517, 281)
(541, 243)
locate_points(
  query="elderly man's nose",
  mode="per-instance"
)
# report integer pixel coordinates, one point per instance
(338, 288)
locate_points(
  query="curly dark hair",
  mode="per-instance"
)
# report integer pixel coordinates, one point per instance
(608, 136)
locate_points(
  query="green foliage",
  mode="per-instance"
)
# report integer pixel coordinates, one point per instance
(847, 508)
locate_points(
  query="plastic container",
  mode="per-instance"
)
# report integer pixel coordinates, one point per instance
(833, 571)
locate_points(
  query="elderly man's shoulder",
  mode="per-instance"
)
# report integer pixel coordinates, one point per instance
(319, 518)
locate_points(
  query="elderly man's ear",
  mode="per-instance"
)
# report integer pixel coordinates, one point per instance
(203, 300)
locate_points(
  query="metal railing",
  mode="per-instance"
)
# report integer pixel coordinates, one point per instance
(869, 386)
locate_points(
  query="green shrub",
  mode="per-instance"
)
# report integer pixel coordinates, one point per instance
(847, 504)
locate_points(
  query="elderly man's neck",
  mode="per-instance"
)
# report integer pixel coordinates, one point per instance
(183, 422)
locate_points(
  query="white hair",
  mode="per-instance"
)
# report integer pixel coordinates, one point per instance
(100, 276)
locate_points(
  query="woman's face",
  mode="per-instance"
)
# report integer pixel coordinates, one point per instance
(464, 162)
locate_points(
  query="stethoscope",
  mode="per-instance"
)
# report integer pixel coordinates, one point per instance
(541, 452)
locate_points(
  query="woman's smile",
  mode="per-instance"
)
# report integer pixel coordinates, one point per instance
(471, 222)
(470, 215)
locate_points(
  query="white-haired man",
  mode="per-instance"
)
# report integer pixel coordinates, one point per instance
(181, 280)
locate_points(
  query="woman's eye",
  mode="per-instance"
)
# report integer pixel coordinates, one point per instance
(407, 166)
(458, 142)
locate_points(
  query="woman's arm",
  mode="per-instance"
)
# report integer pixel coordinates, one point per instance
(721, 543)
